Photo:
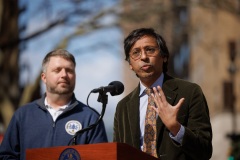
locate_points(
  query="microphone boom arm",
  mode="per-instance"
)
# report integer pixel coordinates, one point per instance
(103, 98)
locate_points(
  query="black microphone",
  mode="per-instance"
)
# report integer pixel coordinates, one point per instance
(115, 88)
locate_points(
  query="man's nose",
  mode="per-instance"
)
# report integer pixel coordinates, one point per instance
(63, 72)
(143, 54)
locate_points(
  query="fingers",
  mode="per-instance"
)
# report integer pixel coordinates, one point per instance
(158, 94)
(155, 108)
(160, 99)
(180, 102)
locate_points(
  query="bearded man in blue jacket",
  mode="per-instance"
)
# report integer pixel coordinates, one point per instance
(55, 118)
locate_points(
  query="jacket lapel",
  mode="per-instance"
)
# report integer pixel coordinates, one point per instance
(133, 116)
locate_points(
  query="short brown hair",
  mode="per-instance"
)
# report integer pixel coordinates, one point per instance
(58, 52)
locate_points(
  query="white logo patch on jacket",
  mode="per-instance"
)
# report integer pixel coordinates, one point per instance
(72, 127)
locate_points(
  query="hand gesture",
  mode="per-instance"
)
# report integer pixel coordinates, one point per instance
(166, 111)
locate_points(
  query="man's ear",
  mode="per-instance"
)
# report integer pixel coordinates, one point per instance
(43, 77)
(130, 66)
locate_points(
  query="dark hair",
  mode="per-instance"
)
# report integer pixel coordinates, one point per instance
(58, 52)
(135, 35)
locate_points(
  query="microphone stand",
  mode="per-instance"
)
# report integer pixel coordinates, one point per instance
(103, 98)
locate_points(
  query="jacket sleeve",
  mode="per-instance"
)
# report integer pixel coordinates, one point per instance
(10, 148)
(197, 140)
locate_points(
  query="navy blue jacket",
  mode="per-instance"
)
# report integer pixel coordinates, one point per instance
(32, 126)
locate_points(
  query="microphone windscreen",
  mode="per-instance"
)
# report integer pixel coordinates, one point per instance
(118, 88)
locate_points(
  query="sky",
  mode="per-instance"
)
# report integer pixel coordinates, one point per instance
(98, 54)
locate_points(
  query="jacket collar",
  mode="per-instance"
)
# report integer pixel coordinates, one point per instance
(40, 102)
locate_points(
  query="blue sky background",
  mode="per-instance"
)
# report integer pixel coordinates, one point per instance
(99, 53)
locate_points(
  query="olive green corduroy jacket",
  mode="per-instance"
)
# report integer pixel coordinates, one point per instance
(193, 115)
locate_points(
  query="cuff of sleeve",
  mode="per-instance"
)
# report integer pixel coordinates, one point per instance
(179, 137)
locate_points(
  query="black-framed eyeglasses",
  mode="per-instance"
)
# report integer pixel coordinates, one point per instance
(149, 51)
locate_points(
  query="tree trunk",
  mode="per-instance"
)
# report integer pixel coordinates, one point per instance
(9, 55)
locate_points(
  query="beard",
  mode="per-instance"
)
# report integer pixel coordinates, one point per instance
(61, 90)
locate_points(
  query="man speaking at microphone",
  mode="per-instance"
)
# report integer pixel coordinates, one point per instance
(170, 122)
(55, 118)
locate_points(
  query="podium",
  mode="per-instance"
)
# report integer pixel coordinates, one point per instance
(100, 151)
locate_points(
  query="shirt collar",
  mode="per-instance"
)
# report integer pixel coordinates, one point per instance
(158, 82)
(61, 107)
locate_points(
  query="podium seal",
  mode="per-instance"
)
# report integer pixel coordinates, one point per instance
(70, 154)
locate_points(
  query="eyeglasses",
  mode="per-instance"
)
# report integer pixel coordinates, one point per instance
(149, 51)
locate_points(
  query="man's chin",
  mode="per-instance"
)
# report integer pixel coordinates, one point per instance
(64, 91)
(146, 75)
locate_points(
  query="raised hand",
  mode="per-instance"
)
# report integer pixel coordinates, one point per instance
(166, 111)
